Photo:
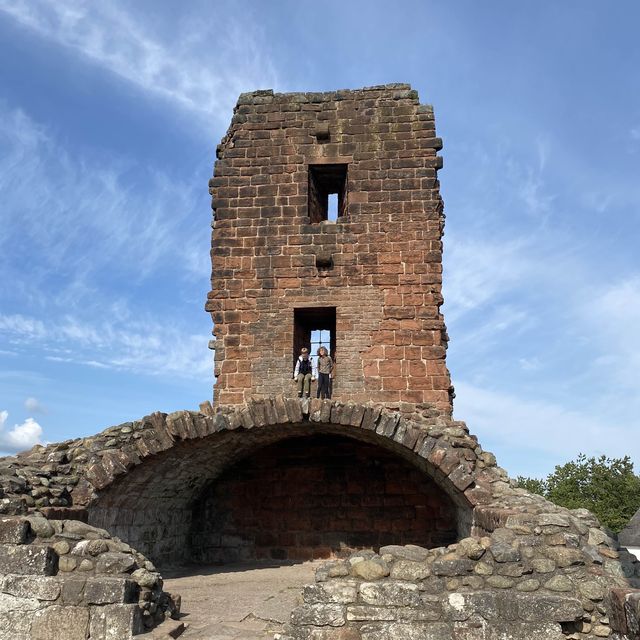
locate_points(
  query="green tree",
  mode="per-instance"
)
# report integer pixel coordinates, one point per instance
(532, 485)
(608, 487)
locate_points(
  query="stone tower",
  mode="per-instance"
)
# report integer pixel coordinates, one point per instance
(328, 222)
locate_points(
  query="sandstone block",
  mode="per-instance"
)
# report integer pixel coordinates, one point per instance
(28, 560)
(407, 570)
(115, 622)
(528, 585)
(564, 557)
(70, 623)
(533, 608)
(500, 582)
(543, 565)
(103, 590)
(403, 631)
(370, 570)
(115, 562)
(13, 530)
(409, 552)
(559, 583)
(591, 590)
(40, 526)
(452, 565)
(518, 631)
(334, 591)
(72, 589)
(332, 615)
(397, 594)
(40, 587)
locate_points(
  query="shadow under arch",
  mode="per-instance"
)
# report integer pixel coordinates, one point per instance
(151, 505)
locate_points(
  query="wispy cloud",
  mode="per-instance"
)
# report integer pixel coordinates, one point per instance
(611, 318)
(93, 217)
(201, 65)
(480, 270)
(33, 405)
(20, 436)
(139, 345)
(22, 326)
(550, 433)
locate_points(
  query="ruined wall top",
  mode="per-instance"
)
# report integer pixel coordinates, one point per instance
(327, 227)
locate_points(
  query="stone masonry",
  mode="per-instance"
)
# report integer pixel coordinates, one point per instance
(521, 567)
(425, 536)
(377, 268)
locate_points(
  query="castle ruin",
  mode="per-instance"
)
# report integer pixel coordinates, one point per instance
(327, 229)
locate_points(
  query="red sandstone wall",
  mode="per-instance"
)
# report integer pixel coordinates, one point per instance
(312, 497)
(386, 250)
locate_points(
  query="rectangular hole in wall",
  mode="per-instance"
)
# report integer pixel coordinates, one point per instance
(327, 192)
(314, 327)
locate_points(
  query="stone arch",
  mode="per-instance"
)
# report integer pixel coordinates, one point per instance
(143, 490)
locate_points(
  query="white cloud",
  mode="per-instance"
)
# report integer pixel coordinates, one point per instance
(140, 345)
(530, 364)
(611, 316)
(33, 405)
(549, 433)
(21, 436)
(21, 326)
(200, 65)
(479, 270)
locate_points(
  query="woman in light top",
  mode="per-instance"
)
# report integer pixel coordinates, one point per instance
(324, 370)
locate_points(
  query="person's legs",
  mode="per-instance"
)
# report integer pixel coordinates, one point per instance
(307, 384)
(300, 381)
(323, 379)
(319, 387)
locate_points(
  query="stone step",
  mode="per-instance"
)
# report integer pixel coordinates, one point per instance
(169, 629)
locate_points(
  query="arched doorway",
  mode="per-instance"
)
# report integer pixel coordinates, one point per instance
(355, 487)
(316, 496)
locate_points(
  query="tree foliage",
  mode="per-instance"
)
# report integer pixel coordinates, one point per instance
(608, 487)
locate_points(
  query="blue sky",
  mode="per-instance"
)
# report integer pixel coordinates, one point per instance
(109, 118)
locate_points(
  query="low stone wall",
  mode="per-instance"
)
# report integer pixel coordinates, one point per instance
(544, 576)
(68, 580)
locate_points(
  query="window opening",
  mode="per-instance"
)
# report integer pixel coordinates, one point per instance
(320, 338)
(314, 327)
(332, 209)
(327, 192)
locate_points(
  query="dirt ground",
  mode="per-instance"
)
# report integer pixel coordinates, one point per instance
(243, 601)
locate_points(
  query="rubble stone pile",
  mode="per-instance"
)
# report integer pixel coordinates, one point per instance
(66, 579)
(541, 576)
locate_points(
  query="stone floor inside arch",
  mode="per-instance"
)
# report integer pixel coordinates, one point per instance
(90, 526)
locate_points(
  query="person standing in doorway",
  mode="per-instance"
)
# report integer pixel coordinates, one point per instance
(324, 370)
(303, 373)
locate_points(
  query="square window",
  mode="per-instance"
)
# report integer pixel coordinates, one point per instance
(314, 327)
(327, 191)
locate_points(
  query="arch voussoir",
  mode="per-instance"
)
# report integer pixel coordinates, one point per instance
(440, 447)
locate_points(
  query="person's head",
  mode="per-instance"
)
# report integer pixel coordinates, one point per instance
(304, 352)
(322, 351)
